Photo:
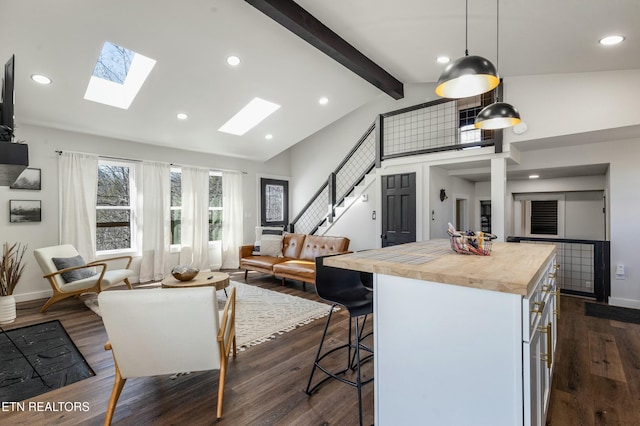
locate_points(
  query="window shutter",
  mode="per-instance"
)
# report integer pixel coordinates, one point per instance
(544, 217)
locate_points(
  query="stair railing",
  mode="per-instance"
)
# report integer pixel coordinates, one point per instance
(435, 126)
(349, 173)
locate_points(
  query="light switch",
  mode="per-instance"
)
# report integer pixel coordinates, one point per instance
(620, 272)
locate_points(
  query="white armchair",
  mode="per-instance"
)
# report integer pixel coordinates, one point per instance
(95, 281)
(166, 331)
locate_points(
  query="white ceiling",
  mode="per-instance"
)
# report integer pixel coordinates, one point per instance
(191, 39)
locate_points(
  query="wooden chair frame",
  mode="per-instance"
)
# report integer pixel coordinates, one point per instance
(60, 294)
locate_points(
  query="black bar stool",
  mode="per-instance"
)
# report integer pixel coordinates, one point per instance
(345, 288)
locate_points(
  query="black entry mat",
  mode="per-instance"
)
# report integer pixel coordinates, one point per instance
(616, 313)
(47, 351)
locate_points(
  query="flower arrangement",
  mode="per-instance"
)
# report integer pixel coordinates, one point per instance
(11, 267)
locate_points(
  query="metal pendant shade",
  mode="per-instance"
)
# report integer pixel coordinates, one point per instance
(498, 115)
(467, 76)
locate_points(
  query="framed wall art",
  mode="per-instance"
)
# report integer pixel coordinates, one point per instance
(28, 179)
(25, 211)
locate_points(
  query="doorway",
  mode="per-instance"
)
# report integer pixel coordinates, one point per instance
(398, 209)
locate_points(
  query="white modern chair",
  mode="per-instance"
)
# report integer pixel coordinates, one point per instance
(167, 331)
(102, 279)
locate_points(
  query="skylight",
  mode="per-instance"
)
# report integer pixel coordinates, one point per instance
(249, 116)
(118, 76)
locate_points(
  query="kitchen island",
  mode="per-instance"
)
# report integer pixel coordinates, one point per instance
(460, 339)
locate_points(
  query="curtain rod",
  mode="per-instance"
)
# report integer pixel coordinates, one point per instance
(59, 152)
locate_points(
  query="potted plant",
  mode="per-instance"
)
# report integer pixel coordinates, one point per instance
(11, 268)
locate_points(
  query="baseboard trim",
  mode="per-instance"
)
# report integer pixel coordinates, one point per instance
(43, 294)
(625, 303)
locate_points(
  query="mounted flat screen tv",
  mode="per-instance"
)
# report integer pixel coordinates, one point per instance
(6, 117)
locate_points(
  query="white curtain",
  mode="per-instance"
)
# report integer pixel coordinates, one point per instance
(195, 215)
(232, 218)
(155, 204)
(78, 175)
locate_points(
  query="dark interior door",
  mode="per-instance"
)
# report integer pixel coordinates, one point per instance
(398, 209)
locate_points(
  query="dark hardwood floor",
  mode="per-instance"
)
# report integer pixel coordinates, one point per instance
(265, 384)
(596, 380)
(597, 374)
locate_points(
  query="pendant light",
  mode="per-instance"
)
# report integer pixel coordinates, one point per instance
(469, 75)
(498, 115)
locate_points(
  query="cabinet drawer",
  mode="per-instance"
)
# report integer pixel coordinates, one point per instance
(541, 296)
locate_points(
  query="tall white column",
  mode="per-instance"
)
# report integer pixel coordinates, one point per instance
(498, 196)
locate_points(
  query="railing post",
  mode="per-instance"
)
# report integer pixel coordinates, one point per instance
(332, 196)
(379, 140)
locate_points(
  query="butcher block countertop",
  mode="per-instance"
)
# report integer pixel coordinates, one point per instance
(511, 268)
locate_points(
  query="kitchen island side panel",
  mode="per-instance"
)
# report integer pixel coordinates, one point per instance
(446, 354)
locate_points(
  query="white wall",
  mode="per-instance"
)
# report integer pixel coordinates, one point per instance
(566, 104)
(585, 218)
(358, 224)
(43, 143)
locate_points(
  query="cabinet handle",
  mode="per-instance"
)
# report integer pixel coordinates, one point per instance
(546, 288)
(548, 357)
(552, 275)
(557, 309)
(556, 266)
(539, 307)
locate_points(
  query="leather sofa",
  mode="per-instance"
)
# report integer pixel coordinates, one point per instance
(298, 261)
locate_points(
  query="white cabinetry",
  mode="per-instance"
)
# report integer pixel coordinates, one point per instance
(539, 344)
(455, 355)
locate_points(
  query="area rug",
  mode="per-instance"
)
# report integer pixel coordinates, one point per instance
(616, 313)
(37, 359)
(261, 315)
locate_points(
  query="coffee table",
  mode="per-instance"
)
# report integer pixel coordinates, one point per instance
(219, 280)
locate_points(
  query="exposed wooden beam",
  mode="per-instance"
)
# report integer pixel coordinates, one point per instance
(297, 20)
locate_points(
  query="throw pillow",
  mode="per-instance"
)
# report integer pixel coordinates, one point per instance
(271, 245)
(68, 262)
(265, 230)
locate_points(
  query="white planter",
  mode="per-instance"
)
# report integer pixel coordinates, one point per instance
(7, 309)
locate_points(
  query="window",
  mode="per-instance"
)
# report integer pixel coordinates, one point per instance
(118, 76)
(114, 208)
(544, 217)
(215, 205)
(468, 132)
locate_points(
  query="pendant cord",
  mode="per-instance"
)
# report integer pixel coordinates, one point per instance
(466, 28)
(498, 36)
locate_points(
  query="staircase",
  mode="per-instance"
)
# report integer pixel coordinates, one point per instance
(436, 126)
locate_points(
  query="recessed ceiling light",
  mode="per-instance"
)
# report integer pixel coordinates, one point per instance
(268, 137)
(534, 176)
(443, 59)
(249, 116)
(611, 40)
(233, 60)
(41, 79)
(323, 100)
(182, 116)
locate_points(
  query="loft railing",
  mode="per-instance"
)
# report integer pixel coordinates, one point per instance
(585, 265)
(440, 125)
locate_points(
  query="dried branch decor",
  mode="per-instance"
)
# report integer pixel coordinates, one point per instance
(11, 267)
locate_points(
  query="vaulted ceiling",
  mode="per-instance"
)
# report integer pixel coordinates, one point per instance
(192, 39)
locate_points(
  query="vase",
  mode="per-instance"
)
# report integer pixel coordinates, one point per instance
(7, 309)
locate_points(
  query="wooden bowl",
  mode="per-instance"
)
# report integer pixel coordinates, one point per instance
(184, 273)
